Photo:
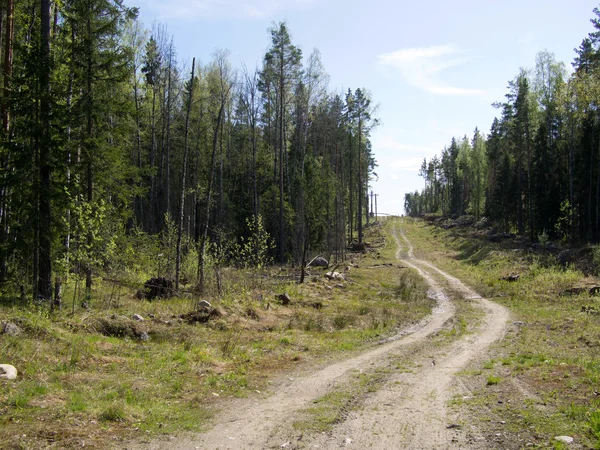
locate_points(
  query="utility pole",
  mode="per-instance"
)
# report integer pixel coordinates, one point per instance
(376, 195)
(371, 202)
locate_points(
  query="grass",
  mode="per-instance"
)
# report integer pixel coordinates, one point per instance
(333, 407)
(546, 370)
(93, 376)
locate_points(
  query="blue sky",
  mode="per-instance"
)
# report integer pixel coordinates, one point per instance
(434, 67)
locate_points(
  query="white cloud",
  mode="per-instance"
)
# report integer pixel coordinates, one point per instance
(421, 67)
(194, 9)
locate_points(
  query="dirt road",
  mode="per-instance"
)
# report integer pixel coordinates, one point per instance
(408, 412)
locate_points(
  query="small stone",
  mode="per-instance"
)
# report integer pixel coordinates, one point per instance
(11, 329)
(7, 372)
(285, 444)
(137, 317)
(348, 441)
(503, 422)
(565, 439)
(203, 304)
(152, 316)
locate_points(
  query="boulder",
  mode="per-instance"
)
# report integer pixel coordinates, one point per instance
(137, 317)
(7, 372)
(203, 304)
(336, 276)
(11, 329)
(565, 439)
(319, 261)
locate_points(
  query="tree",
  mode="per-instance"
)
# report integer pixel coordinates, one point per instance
(281, 72)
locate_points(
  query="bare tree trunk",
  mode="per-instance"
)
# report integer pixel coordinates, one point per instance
(360, 183)
(183, 176)
(211, 177)
(168, 149)
(90, 173)
(45, 231)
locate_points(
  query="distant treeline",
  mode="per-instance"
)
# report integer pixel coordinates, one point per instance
(538, 170)
(111, 146)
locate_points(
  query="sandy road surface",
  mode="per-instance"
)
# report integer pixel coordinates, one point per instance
(408, 412)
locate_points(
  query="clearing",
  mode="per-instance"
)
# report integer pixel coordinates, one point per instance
(395, 395)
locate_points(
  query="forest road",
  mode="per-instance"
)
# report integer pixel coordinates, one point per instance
(409, 411)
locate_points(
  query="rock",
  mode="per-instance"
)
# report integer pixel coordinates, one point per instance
(565, 257)
(203, 304)
(565, 439)
(283, 299)
(7, 372)
(335, 276)
(340, 286)
(11, 329)
(319, 261)
(137, 317)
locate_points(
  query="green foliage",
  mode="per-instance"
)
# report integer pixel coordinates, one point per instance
(543, 238)
(255, 250)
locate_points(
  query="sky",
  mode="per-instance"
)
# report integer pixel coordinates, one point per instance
(434, 68)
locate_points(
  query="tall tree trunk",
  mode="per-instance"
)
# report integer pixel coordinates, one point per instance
(350, 184)
(89, 136)
(360, 183)
(8, 63)
(183, 176)
(168, 146)
(281, 145)
(45, 232)
(211, 177)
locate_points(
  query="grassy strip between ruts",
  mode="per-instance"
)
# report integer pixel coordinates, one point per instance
(98, 377)
(543, 379)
